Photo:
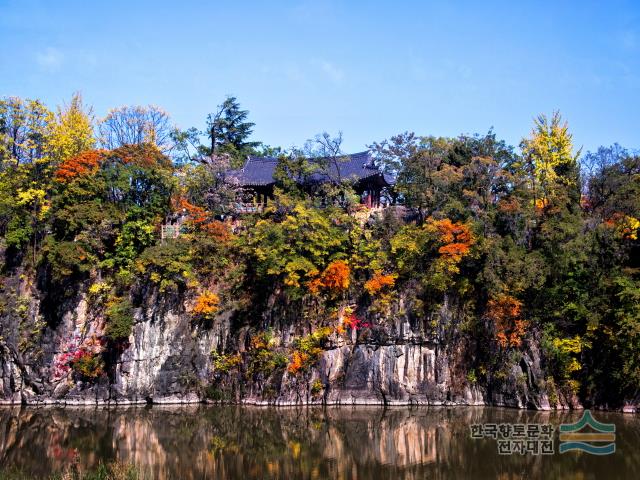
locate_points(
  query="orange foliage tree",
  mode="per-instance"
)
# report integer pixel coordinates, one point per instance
(335, 278)
(196, 215)
(456, 238)
(201, 220)
(84, 163)
(143, 155)
(206, 305)
(453, 241)
(505, 312)
(379, 282)
(298, 362)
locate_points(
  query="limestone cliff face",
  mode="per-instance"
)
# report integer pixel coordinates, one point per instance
(167, 359)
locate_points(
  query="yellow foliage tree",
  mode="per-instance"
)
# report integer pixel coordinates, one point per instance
(552, 166)
(71, 131)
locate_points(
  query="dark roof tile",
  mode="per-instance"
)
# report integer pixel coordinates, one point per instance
(259, 170)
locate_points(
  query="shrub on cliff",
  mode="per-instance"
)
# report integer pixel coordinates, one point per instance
(119, 317)
(67, 260)
(87, 364)
(307, 350)
(168, 265)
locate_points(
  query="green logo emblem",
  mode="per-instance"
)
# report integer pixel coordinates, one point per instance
(600, 441)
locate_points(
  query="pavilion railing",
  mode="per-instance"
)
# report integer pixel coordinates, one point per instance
(248, 207)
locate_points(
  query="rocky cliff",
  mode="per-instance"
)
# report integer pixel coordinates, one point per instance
(395, 360)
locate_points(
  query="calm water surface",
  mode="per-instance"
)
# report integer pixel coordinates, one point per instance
(254, 443)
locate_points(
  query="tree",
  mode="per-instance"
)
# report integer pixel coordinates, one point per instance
(71, 131)
(97, 189)
(206, 305)
(593, 164)
(136, 125)
(423, 175)
(83, 163)
(505, 313)
(206, 184)
(297, 242)
(390, 154)
(139, 180)
(187, 146)
(292, 173)
(106, 210)
(326, 151)
(334, 279)
(25, 167)
(228, 133)
(550, 162)
(612, 182)
(228, 130)
(433, 251)
(24, 130)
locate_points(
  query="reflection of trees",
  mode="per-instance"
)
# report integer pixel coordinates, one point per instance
(234, 442)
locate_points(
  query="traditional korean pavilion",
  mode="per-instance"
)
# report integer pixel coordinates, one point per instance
(369, 182)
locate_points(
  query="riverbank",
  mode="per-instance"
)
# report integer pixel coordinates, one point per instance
(355, 402)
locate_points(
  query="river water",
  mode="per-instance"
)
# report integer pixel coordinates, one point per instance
(197, 442)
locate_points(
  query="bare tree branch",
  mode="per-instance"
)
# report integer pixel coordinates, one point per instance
(133, 125)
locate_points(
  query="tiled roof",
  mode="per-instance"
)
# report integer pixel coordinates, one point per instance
(256, 171)
(259, 170)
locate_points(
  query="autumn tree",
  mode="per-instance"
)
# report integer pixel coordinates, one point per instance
(110, 203)
(83, 163)
(550, 163)
(296, 241)
(433, 252)
(206, 305)
(335, 278)
(71, 130)
(25, 171)
(505, 312)
(207, 184)
(379, 282)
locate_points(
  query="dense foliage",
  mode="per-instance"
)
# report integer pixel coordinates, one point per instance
(532, 245)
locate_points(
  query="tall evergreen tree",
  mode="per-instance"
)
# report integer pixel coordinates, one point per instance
(228, 130)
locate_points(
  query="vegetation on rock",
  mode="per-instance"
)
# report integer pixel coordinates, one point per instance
(537, 246)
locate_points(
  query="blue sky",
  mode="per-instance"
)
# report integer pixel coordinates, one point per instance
(371, 69)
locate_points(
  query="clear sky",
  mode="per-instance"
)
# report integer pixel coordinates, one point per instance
(371, 69)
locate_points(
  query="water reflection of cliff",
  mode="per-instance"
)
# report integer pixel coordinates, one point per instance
(232, 442)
